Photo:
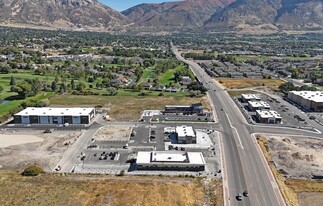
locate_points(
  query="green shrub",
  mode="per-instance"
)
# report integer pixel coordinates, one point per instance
(122, 173)
(32, 171)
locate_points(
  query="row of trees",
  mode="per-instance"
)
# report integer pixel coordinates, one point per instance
(289, 86)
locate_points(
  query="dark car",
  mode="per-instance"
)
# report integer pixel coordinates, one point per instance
(245, 193)
(312, 117)
(47, 131)
(239, 197)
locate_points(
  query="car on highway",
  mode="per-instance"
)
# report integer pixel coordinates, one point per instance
(245, 193)
(312, 118)
(239, 197)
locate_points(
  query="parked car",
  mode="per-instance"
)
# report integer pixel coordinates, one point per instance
(47, 131)
(239, 197)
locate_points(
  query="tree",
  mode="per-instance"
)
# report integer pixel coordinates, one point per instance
(80, 86)
(23, 88)
(56, 79)
(295, 74)
(286, 87)
(12, 81)
(138, 72)
(62, 88)
(36, 86)
(72, 84)
(54, 86)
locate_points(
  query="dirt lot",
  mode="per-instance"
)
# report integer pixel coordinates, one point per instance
(51, 189)
(125, 108)
(310, 198)
(11, 140)
(113, 133)
(296, 192)
(297, 157)
(46, 152)
(245, 83)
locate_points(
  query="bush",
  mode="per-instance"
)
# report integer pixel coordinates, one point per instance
(122, 173)
(161, 94)
(32, 171)
(143, 94)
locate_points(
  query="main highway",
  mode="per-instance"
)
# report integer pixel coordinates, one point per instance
(245, 168)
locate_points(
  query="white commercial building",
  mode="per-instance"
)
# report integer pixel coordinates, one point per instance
(50, 115)
(250, 97)
(185, 135)
(170, 160)
(311, 100)
(269, 117)
(258, 105)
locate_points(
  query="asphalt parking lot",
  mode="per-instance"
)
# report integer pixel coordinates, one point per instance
(291, 115)
(106, 156)
(153, 115)
(110, 157)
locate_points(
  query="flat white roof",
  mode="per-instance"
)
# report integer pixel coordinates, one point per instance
(316, 96)
(183, 131)
(258, 104)
(268, 114)
(250, 96)
(168, 157)
(51, 111)
(154, 157)
(143, 157)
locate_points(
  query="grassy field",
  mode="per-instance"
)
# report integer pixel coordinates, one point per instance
(238, 93)
(125, 108)
(245, 83)
(129, 92)
(291, 188)
(243, 58)
(5, 108)
(165, 78)
(51, 189)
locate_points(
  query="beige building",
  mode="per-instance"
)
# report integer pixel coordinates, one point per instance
(258, 105)
(185, 135)
(250, 97)
(310, 100)
(268, 117)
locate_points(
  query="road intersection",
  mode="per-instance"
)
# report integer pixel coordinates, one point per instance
(245, 167)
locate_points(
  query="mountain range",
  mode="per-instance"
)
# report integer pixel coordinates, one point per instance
(250, 16)
(65, 14)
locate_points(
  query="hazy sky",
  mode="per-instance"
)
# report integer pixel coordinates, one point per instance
(121, 5)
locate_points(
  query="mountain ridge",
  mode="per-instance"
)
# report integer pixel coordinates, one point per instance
(240, 16)
(187, 14)
(66, 14)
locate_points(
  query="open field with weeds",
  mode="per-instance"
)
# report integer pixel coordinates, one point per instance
(125, 108)
(295, 192)
(86, 190)
(245, 83)
(238, 93)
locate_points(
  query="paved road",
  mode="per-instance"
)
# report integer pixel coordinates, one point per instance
(245, 168)
(72, 154)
